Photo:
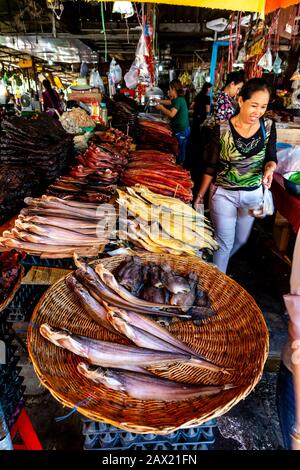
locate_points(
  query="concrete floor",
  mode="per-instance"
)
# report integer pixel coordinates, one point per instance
(253, 423)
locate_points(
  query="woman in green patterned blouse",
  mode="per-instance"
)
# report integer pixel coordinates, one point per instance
(238, 163)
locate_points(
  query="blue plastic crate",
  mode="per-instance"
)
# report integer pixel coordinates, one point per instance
(22, 306)
(101, 436)
(66, 263)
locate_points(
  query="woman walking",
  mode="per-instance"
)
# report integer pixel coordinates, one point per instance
(239, 161)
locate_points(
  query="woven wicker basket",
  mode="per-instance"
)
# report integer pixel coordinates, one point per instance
(12, 293)
(237, 338)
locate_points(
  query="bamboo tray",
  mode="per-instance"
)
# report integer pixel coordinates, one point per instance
(237, 338)
(13, 292)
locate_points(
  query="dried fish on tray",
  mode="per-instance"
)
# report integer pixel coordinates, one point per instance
(163, 369)
(159, 172)
(59, 227)
(94, 177)
(163, 224)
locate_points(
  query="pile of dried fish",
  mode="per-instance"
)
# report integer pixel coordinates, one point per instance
(54, 227)
(157, 135)
(115, 308)
(124, 114)
(114, 138)
(15, 185)
(162, 224)
(40, 144)
(161, 285)
(135, 381)
(159, 172)
(94, 177)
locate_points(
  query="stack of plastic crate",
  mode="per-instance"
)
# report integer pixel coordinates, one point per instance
(101, 436)
(12, 389)
(22, 306)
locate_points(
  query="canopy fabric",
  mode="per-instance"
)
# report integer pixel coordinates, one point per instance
(241, 5)
(259, 6)
(272, 5)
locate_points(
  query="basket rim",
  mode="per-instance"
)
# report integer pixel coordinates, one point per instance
(131, 427)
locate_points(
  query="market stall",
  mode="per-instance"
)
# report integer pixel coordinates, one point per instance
(178, 331)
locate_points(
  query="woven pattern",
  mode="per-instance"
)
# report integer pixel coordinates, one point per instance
(236, 338)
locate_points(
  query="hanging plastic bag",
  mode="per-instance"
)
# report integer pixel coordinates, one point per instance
(84, 70)
(266, 207)
(241, 55)
(115, 72)
(266, 61)
(277, 64)
(96, 80)
(132, 77)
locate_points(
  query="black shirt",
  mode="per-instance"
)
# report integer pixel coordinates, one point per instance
(201, 101)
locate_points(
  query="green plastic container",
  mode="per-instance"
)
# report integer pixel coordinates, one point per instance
(295, 177)
(88, 129)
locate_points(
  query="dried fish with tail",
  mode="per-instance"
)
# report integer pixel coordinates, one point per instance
(145, 387)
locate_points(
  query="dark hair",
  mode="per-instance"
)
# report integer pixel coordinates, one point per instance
(177, 85)
(206, 86)
(235, 77)
(53, 94)
(252, 86)
(47, 84)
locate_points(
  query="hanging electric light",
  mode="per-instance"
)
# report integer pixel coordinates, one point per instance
(124, 8)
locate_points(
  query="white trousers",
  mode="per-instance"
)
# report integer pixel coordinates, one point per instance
(229, 212)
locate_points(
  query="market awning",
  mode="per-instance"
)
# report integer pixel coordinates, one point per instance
(272, 5)
(260, 6)
(242, 5)
(57, 50)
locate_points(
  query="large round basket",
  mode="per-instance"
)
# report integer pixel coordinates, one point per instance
(13, 291)
(236, 338)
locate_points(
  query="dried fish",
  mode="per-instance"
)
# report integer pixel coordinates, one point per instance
(130, 276)
(108, 278)
(94, 309)
(153, 294)
(186, 299)
(106, 354)
(145, 387)
(173, 282)
(87, 276)
(121, 320)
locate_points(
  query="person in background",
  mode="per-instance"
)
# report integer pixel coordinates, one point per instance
(179, 115)
(239, 161)
(51, 100)
(226, 106)
(62, 100)
(201, 106)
